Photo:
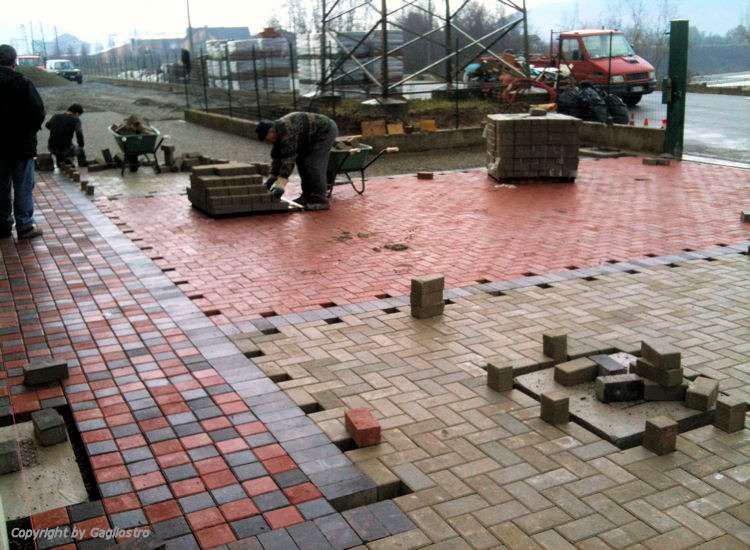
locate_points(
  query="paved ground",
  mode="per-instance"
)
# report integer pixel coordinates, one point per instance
(185, 435)
(152, 302)
(460, 224)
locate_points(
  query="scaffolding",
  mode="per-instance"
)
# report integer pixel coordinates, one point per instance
(377, 69)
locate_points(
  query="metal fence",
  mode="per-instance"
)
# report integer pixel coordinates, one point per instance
(258, 93)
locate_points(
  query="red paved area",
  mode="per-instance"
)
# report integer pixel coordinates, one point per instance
(159, 424)
(460, 224)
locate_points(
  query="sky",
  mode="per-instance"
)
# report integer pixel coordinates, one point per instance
(91, 22)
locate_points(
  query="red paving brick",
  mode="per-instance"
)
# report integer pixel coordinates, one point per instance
(461, 224)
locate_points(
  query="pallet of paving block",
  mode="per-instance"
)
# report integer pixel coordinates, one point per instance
(228, 169)
(226, 181)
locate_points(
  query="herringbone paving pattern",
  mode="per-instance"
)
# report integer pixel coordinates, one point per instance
(485, 471)
(462, 225)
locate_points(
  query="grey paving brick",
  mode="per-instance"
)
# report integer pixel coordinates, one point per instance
(250, 527)
(337, 531)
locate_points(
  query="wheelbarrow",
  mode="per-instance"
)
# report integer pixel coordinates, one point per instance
(135, 146)
(345, 162)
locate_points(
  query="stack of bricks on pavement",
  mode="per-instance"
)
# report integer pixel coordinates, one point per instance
(427, 296)
(525, 146)
(232, 188)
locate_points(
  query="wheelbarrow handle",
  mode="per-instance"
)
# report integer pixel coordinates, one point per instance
(380, 154)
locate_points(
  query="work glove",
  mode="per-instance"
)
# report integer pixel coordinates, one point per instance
(269, 182)
(277, 189)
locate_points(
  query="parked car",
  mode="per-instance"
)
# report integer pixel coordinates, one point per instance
(65, 69)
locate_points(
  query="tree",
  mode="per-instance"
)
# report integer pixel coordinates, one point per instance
(297, 16)
(85, 49)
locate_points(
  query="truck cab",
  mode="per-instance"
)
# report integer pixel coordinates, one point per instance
(606, 59)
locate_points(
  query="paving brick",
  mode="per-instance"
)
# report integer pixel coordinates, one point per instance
(660, 435)
(618, 388)
(667, 378)
(730, 414)
(661, 355)
(555, 346)
(555, 407)
(363, 427)
(9, 457)
(656, 392)
(45, 370)
(499, 376)
(608, 366)
(578, 371)
(701, 394)
(250, 527)
(337, 531)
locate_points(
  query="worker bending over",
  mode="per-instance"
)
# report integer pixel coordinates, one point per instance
(62, 127)
(304, 139)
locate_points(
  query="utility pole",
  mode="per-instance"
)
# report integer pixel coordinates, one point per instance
(44, 42)
(448, 43)
(384, 46)
(526, 52)
(57, 42)
(31, 29)
(26, 39)
(190, 28)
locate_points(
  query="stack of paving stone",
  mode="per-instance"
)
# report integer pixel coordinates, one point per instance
(231, 188)
(660, 367)
(427, 296)
(526, 146)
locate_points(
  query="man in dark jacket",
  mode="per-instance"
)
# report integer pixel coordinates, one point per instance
(304, 139)
(62, 127)
(22, 115)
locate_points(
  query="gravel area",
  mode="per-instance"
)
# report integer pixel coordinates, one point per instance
(105, 104)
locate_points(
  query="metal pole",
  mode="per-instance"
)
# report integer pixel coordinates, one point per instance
(292, 68)
(204, 71)
(456, 90)
(31, 29)
(384, 46)
(323, 46)
(526, 51)
(255, 77)
(229, 75)
(190, 28)
(448, 42)
(609, 70)
(675, 86)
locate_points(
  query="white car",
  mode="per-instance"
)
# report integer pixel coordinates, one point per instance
(65, 69)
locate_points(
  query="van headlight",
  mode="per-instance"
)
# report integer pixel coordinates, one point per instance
(652, 75)
(617, 79)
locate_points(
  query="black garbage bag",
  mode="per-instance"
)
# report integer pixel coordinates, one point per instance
(616, 108)
(569, 103)
(593, 105)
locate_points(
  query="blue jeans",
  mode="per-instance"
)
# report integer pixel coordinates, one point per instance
(17, 178)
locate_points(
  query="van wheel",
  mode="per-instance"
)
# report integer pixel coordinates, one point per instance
(632, 100)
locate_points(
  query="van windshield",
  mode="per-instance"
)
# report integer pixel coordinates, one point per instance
(598, 46)
(63, 65)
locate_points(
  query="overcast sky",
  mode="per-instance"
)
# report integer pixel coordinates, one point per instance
(91, 21)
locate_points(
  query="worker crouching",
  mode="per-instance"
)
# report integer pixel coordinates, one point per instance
(304, 139)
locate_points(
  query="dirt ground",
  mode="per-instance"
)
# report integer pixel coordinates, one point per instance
(105, 104)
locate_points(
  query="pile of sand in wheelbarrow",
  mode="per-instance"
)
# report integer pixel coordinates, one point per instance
(133, 125)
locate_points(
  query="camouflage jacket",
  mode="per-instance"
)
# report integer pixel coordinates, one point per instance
(295, 134)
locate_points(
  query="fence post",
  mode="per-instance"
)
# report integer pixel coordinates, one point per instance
(292, 70)
(204, 71)
(676, 87)
(255, 78)
(229, 78)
